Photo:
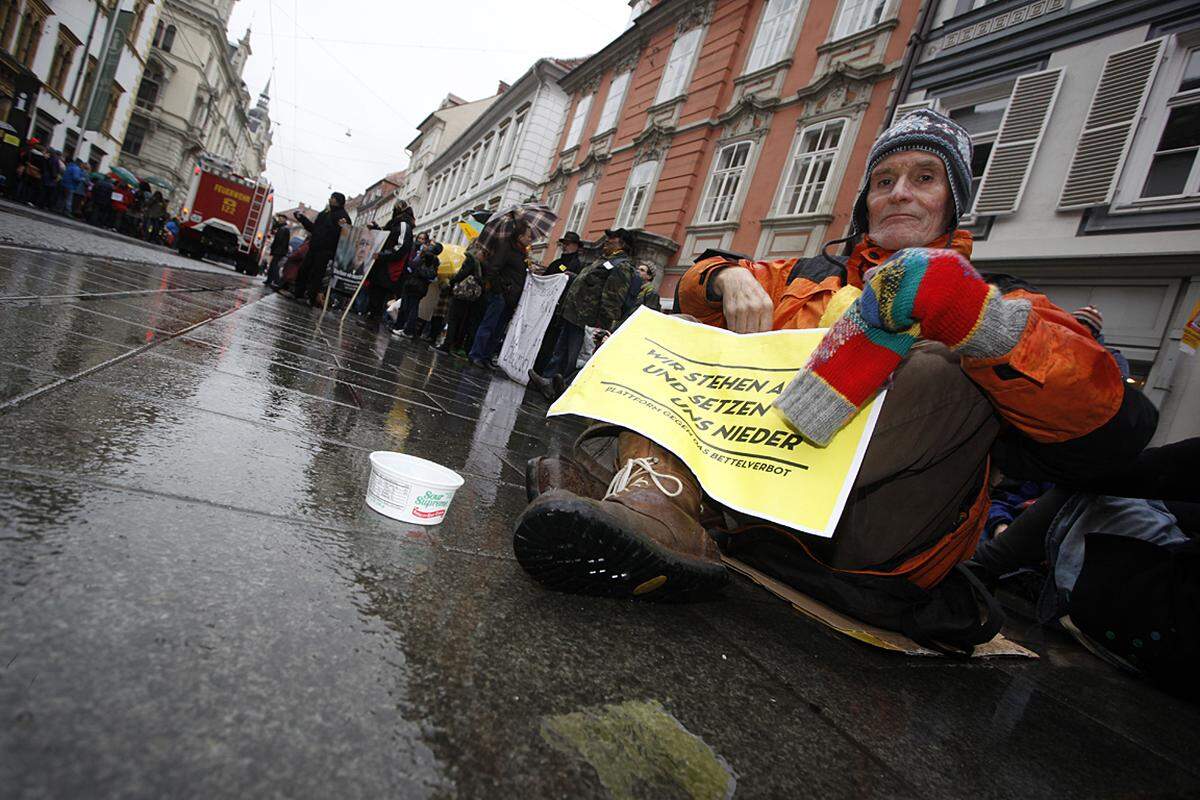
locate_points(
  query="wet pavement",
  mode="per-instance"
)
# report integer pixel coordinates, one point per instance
(195, 600)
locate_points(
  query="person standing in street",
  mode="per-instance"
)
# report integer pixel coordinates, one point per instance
(466, 305)
(569, 263)
(101, 214)
(422, 271)
(154, 214)
(71, 187)
(280, 236)
(504, 281)
(648, 293)
(33, 162)
(323, 234)
(596, 299)
(387, 274)
(51, 179)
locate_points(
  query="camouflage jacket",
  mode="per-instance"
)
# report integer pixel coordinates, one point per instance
(597, 297)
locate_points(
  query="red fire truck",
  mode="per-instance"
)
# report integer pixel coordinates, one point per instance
(225, 216)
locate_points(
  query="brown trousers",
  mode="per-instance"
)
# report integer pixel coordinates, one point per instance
(924, 466)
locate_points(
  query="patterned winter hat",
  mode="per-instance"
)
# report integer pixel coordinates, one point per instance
(1091, 317)
(923, 129)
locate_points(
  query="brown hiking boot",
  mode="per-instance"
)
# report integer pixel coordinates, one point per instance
(586, 472)
(643, 539)
(545, 473)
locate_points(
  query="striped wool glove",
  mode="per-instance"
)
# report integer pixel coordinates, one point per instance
(918, 293)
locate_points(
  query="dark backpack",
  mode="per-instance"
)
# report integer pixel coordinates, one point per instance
(945, 618)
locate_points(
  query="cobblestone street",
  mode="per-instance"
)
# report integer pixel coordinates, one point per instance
(197, 602)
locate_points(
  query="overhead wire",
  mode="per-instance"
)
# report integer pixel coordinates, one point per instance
(363, 83)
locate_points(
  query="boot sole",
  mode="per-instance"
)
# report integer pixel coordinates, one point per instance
(567, 550)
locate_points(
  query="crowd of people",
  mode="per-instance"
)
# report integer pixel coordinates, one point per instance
(44, 178)
(466, 314)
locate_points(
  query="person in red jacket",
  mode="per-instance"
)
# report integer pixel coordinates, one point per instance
(985, 372)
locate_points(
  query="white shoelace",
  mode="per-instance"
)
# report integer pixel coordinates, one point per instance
(635, 472)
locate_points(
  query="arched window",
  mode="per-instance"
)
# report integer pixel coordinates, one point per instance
(152, 80)
(168, 38)
(158, 34)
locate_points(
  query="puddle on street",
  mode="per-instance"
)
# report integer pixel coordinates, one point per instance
(640, 751)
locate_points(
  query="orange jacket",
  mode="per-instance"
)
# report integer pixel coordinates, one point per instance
(1059, 382)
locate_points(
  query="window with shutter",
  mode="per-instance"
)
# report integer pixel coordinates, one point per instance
(679, 66)
(813, 156)
(904, 108)
(577, 122)
(612, 104)
(774, 34)
(1109, 126)
(857, 15)
(728, 169)
(578, 212)
(1017, 143)
(637, 193)
(1164, 161)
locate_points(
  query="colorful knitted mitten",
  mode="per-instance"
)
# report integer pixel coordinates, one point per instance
(917, 293)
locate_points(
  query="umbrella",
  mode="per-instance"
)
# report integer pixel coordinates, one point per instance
(98, 175)
(154, 180)
(450, 260)
(500, 227)
(125, 175)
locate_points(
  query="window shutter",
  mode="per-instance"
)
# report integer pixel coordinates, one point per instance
(904, 108)
(1021, 132)
(1108, 129)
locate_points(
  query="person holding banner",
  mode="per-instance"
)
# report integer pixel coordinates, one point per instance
(985, 372)
(596, 299)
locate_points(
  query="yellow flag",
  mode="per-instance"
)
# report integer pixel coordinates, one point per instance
(705, 394)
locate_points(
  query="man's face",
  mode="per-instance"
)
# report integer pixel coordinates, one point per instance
(333, 202)
(570, 247)
(613, 244)
(908, 200)
(645, 274)
(362, 250)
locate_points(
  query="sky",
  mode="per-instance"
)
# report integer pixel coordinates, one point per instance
(350, 79)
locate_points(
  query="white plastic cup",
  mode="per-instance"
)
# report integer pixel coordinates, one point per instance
(410, 489)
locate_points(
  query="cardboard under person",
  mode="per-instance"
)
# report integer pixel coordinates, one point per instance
(984, 373)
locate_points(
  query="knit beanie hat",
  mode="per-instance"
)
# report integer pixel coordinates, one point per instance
(923, 129)
(1091, 318)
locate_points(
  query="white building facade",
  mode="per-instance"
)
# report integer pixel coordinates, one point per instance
(437, 132)
(502, 157)
(1085, 116)
(69, 70)
(192, 100)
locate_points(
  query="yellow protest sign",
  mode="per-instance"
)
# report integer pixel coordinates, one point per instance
(705, 394)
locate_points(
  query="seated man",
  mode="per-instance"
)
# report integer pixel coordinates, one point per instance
(982, 373)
